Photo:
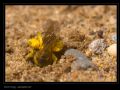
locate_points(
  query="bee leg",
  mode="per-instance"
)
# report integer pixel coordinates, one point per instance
(30, 55)
(54, 58)
(35, 60)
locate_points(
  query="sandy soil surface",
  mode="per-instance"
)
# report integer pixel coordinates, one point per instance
(79, 26)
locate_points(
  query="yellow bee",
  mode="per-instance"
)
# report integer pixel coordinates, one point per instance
(43, 47)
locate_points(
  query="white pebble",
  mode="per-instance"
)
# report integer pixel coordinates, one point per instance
(114, 37)
(112, 49)
(61, 60)
(97, 46)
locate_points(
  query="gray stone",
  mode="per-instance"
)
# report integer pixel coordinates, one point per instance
(81, 62)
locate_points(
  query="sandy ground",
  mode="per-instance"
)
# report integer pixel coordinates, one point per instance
(78, 24)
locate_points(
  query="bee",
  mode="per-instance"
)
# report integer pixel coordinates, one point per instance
(43, 47)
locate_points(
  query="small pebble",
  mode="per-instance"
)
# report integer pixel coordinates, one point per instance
(100, 34)
(112, 49)
(97, 46)
(114, 37)
(81, 62)
(61, 60)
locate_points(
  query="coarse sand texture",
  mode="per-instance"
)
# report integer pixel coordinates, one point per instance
(88, 33)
